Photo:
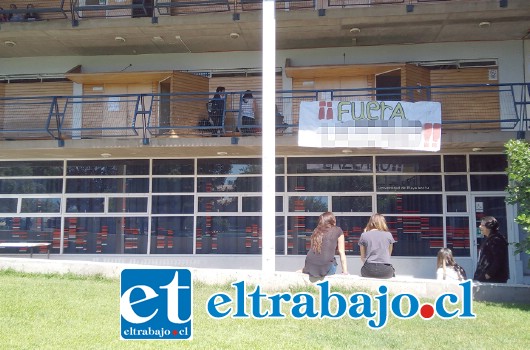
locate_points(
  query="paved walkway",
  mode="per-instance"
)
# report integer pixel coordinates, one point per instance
(281, 280)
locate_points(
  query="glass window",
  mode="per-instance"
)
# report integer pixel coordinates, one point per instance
(318, 204)
(352, 228)
(107, 185)
(85, 205)
(487, 162)
(8, 205)
(31, 186)
(229, 184)
(330, 184)
(456, 204)
(416, 235)
(409, 204)
(173, 167)
(299, 230)
(351, 204)
(457, 229)
(31, 168)
(455, 182)
(234, 235)
(217, 204)
(42, 229)
(172, 235)
(128, 205)
(107, 167)
(307, 165)
(488, 182)
(229, 166)
(173, 185)
(407, 164)
(105, 235)
(41, 205)
(409, 183)
(253, 204)
(172, 204)
(455, 163)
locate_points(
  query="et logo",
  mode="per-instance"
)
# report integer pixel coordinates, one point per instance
(156, 304)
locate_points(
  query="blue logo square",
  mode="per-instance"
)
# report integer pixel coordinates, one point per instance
(156, 304)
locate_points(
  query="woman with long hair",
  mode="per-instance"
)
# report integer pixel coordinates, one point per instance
(446, 267)
(376, 245)
(325, 240)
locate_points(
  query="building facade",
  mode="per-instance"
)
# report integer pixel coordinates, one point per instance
(108, 148)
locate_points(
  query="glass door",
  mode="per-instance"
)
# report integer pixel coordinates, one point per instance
(487, 206)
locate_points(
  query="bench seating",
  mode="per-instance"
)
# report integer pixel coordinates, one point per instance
(29, 245)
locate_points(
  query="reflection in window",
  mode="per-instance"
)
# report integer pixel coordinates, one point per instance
(173, 167)
(128, 205)
(229, 184)
(407, 164)
(488, 182)
(351, 204)
(409, 204)
(107, 167)
(172, 235)
(455, 163)
(176, 185)
(299, 230)
(106, 235)
(107, 185)
(311, 165)
(218, 204)
(456, 204)
(253, 204)
(416, 235)
(8, 205)
(40, 205)
(31, 186)
(487, 162)
(317, 204)
(455, 182)
(458, 236)
(85, 205)
(330, 184)
(32, 168)
(414, 183)
(172, 204)
(234, 235)
(42, 229)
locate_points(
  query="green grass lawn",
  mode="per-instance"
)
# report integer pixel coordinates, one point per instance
(73, 312)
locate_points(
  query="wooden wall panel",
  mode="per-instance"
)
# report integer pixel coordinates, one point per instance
(466, 105)
(188, 111)
(414, 76)
(35, 116)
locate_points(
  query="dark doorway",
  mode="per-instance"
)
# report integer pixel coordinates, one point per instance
(142, 11)
(390, 82)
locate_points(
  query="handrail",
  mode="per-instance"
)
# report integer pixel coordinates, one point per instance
(464, 107)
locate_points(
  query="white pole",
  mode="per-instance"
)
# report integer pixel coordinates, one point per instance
(268, 263)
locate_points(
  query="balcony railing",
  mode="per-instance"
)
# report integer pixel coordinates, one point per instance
(144, 116)
(76, 10)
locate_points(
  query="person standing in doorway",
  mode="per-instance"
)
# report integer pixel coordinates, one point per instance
(248, 112)
(376, 245)
(492, 263)
(326, 238)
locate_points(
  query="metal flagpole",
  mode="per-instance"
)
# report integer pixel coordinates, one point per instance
(268, 263)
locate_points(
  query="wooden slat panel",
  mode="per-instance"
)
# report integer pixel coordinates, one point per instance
(188, 113)
(466, 105)
(415, 76)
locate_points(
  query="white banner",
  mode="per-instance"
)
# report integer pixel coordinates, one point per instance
(382, 124)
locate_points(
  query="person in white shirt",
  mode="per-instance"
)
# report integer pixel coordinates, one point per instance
(447, 269)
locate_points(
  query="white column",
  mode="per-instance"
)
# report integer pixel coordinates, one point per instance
(268, 263)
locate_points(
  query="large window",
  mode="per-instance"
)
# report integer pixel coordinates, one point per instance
(214, 206)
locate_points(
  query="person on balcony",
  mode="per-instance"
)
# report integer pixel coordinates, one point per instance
(3, 17)
(31, 15)
(248, 112)
(216, 109)
(15, 17)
